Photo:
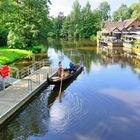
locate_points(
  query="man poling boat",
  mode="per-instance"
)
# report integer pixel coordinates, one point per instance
(65, 75)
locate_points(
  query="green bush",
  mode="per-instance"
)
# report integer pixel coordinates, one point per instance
(38, 49)
(93, 37)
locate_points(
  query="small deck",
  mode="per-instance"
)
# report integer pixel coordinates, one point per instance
(20, 92)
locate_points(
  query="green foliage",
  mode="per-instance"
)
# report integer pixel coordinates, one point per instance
(93, 37)
(137, 41)
(15, 41)
(10, 55)
(65, 27)
(81, 23)
(121, 13)
(87, 21)
(26, 20)
(38, 49)
(51, 34)
(75, 16)
(57, 25)
(135, 10)
(3, 36)
(104, 10)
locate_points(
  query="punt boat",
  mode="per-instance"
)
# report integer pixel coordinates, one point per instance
(68, 76)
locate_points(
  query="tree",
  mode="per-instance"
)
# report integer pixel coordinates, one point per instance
(104, 10)
(5, 8)
(135, 10)
(98, 22)
(121, 13)
(87, 22)
(81, 23)
(27, 21)
(75, 16)
(57, 25)
(65, 26)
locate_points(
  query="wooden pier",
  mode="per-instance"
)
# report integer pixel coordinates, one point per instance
(20, 92)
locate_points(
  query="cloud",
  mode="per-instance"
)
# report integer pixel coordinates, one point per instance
(66, 5)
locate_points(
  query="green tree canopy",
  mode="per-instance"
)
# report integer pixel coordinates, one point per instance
(87, 22)
(75, 16)
(57, 25)
(121, 13)
(104, 10)
(135, 10)
(26, 20)
(81, 23)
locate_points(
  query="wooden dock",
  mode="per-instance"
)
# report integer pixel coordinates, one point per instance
(20, 92)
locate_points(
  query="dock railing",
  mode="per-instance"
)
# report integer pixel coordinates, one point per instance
(33, 75)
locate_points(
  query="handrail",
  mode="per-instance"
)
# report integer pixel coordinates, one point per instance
(30, 82)
(31, 70)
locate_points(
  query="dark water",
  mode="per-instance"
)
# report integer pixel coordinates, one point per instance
(103, 103)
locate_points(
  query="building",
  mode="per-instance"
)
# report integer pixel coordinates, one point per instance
(121, 34)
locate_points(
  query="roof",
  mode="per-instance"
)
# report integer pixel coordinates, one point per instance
(121, 25)
(128, 22)
(112, 25)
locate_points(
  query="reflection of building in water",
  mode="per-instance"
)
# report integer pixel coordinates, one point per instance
(120, 57)
(121, 35)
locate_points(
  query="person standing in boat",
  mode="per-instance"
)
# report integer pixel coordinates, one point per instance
(60, 69)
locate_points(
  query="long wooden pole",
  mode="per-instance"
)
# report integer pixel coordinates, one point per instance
(60, 89)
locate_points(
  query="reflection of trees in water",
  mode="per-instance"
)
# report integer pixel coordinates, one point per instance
(31, 121)
(59, 44)
(87, 57)
(85, 50)
(77, 50)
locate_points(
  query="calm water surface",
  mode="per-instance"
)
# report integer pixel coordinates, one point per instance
(103, 103)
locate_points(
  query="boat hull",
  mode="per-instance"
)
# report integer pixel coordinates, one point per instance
(66, 79)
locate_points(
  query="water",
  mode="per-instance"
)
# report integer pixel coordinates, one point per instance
(103, 103)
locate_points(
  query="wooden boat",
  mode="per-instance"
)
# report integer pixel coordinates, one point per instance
(68, 76)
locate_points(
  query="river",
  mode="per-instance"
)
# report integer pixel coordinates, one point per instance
(102, 103)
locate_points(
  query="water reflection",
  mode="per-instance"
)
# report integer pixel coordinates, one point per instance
(31, 121)
(87, 52)
(101, 104)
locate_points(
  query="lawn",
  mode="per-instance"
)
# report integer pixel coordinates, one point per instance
(10, 55)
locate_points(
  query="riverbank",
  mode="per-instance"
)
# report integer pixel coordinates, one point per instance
(10, 55)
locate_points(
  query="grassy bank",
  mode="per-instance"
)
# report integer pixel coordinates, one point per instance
(10, 55)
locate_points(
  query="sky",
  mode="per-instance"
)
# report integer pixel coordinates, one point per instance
(65, 6)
